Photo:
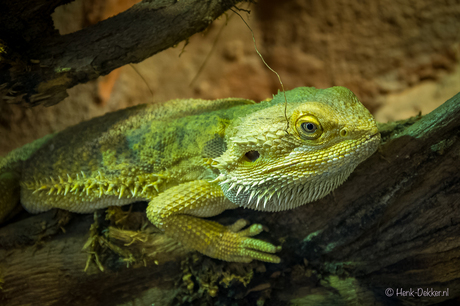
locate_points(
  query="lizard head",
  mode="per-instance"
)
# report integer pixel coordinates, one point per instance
(285, 155)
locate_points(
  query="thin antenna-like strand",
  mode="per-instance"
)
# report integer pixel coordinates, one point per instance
(279, 78)
(135, 69)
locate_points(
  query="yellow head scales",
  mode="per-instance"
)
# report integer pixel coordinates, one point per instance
(270, 165)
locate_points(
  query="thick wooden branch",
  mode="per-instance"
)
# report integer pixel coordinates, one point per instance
(38, 67)
(395, 224)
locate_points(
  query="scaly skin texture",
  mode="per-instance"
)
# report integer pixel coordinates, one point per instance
(196, 158)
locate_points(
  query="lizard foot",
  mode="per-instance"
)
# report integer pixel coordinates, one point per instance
(237, 245)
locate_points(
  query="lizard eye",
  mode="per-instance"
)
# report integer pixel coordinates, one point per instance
(309, 127)
(252, 155)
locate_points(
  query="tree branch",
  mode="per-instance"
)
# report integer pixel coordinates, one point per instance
(40, 70)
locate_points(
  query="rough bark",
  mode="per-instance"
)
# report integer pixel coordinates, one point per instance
(393, 224)
(37, 65)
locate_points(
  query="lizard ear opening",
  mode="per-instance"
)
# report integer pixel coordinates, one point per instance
(252, 156)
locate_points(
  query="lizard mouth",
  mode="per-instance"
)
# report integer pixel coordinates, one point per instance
(365, 142)
(374, 135)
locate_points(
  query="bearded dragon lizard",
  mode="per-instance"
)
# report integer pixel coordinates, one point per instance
(196, 158)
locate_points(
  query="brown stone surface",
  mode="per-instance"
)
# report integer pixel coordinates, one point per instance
(380, 50)
(423, 97)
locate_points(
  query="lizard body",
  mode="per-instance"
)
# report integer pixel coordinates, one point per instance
(197, 158)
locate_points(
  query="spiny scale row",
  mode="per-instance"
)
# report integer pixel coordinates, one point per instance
(83, 184)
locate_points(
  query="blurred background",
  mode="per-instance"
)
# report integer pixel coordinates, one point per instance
(400, 57)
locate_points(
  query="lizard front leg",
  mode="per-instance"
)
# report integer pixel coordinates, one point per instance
(176, 210)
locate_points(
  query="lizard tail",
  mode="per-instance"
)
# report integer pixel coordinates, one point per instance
(10, 176)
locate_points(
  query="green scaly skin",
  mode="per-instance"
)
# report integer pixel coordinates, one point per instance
(197, 158)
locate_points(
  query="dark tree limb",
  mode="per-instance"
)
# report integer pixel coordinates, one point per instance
(394, 224)
(38, 65)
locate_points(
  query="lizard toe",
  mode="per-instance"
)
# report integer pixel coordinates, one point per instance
(249, 255)
(259, 245)
(238, 225)
(253, 230)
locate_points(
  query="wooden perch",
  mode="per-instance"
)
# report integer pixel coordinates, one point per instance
(37, 65)
(394, 225)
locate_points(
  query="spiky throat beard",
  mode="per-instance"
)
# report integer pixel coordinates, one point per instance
(299, 183)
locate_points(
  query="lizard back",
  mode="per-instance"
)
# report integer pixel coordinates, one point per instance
(128, 155)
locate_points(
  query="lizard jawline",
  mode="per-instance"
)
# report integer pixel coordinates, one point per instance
(270, 197)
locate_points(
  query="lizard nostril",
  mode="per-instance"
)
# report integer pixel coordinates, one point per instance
(252, 155)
